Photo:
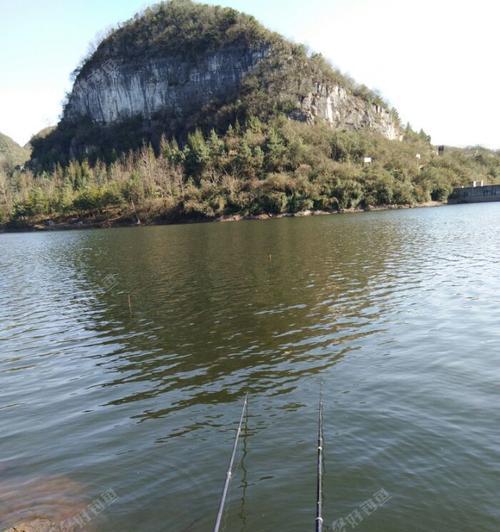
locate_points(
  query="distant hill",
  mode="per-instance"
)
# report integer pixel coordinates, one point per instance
(11, 154)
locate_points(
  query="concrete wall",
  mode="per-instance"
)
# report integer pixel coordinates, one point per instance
(475, 194)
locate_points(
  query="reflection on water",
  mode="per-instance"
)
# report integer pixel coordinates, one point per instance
(125, 354)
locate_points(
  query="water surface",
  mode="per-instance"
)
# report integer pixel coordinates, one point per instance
(125, 355)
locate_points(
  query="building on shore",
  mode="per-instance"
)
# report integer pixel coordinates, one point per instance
(477, 193)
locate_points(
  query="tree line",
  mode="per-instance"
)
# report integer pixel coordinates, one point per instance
(275, 167)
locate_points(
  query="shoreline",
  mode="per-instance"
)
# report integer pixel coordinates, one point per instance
(71, 223)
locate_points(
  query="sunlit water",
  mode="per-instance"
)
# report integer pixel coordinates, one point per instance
(397, 314)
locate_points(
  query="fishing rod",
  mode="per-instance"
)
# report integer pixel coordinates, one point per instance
(229, 473)
(319, 480)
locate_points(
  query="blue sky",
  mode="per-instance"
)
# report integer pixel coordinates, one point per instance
(435, 61)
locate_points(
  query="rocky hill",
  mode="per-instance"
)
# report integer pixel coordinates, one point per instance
(11, 154)
(182, 65)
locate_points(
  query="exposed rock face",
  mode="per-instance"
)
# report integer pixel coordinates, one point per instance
(121, 89)
(342, 109)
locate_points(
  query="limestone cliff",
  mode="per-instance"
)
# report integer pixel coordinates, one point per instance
(119, 89)
(342, 109)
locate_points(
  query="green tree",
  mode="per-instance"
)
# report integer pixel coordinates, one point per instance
(196, 154)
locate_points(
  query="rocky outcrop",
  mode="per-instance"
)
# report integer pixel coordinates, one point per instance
(342, 109)
(119, 89)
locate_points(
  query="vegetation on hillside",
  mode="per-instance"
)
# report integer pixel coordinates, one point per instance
(177, 27)
(11, 154)
(43, 133)
(274, 167)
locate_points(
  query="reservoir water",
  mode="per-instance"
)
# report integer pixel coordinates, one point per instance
(125, 355)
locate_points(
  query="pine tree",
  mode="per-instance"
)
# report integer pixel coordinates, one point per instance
(197, 154)
(275, 150)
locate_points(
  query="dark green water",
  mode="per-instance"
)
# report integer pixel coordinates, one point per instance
(397, 313)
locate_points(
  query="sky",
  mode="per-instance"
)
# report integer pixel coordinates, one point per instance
(436, 61)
